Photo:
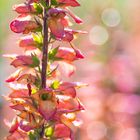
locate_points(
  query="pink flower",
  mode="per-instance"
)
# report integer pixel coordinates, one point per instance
(57, 23)
(23, 26)
(18, 135)
(14, 126)
(22, 93)
(69, 34)
(27, 42)
(46, 103)
(24, 8)
(76, 18)
(66, 68)
(68, 54)
(61, 131)
(72, 3)
(26, 78)
(22, 60)
(69, 105)
(67, 89)
(13, 76)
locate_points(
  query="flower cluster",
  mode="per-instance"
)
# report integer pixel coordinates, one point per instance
(44, 113)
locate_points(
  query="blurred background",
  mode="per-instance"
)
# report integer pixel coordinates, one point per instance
(111, 68)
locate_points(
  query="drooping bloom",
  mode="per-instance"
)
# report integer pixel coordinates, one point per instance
(57, 26)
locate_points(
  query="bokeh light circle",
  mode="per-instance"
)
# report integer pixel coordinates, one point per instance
(111, 17)
(98, 35)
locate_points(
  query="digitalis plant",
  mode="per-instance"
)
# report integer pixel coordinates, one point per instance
(46, 106)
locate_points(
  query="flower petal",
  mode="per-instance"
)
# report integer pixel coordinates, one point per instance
(23, 26)
(13, 76)
(24, 8)
(72, 3)
(22, 93)
(47, 109)
(22, 60)
(61, 131)
(56, 28)
(17, 135)
(67, 69)
(27, 42)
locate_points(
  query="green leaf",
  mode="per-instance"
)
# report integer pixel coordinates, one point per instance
(43, 3)
(55, 84)
(54, 2)
(38, 38)
(38, 8)
(49, 131)
(36, 61)
(52, 53)
(33, 135)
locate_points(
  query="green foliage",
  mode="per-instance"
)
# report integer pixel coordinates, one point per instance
(34, 135)
(38, 8)
(49, 131)
(55, 84)
(38, 39)
(52, 54)
(54, 2)
(36, 61)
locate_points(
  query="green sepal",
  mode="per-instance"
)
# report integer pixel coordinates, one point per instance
(55, 84)
(43, 3)
(53, 52)
(54, 2)
(34, 135)
(38, 40)
(37, 83)
(49, 131)
(38, 8)
(35, 60)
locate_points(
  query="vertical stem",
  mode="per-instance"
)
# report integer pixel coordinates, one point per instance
(45, 47)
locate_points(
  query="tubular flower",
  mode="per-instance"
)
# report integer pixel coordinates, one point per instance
(46, 106)
(24, 9)
(27, 43)
(22, 60)
(24, 27)
(72, 3)
(68, 54)
(57, 25)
